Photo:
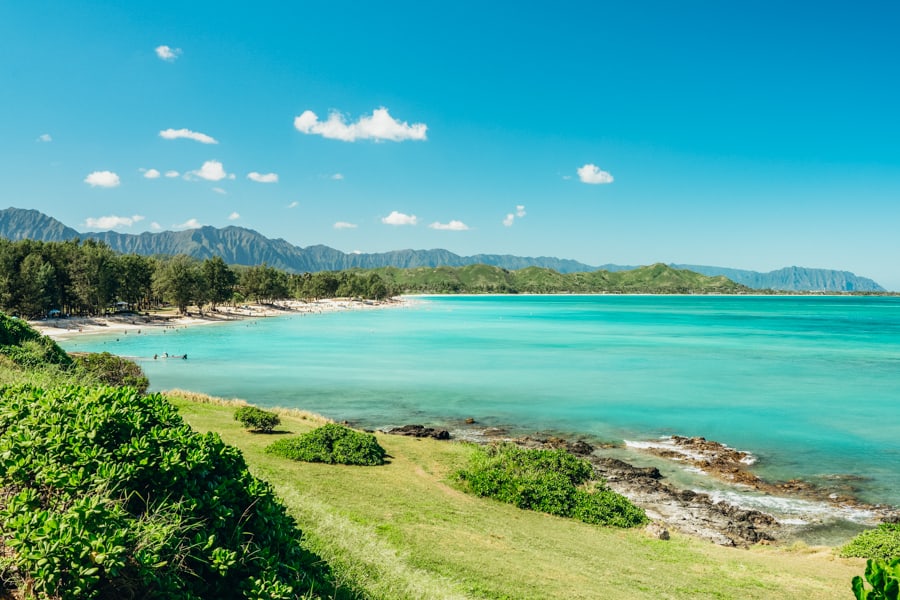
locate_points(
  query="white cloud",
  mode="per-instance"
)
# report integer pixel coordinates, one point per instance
(451, 226)
(150, 173)
(168, 54)
(212, 170)
(174, 134)
(234, 216)
(171, 174)
(380, 126)
(398, 218)
(337, 176)
(155, 226)
(219, 190)
(112, 222)
(590, 173)
(293, 204)
(189, 224)
(263, 177)
(511, 217)
(106, 179)
(345, 225)
(44, 137)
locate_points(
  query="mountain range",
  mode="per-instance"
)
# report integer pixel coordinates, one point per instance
(238, 245)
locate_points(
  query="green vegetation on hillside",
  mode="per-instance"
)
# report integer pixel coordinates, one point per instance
(257, 419)
(108, 493)
(882, 542)
(551, 481)
(26, 347)
(480, 279)
(332, 444)
(113, 370)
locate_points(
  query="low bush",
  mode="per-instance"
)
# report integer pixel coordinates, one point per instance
(28, 348)
(550, 481)
(883, 578)
(113, 370)
(108, 494)
(602, 506)
(882, 542)
(257, 419)
(332, 444)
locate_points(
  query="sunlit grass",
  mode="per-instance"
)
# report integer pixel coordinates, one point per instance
(404, 530)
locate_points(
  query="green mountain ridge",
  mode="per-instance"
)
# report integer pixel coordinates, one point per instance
(652, 279)
(242, 246)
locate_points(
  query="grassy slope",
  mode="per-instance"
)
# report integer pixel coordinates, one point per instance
(405, 532)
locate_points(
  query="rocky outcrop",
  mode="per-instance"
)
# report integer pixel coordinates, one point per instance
(686, 511)
(732, 466)
(420, 431)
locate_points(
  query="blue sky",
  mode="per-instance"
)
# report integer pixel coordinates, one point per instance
(749, 135)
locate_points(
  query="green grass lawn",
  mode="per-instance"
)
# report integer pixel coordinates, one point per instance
(404, 531)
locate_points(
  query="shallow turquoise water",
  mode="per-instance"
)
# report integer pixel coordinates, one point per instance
(810, 385)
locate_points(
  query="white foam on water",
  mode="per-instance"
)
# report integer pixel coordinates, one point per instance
(668, 443)
(793, 521)
(793, 511)
(696, 471)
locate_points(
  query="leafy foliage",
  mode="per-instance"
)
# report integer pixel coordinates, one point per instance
(28, 348)
(332, 443)
(257, 419)
(658, 278)
(180, 281)
(107, 493)
(113, 370)
(884, 579)
(550, 481)
(882, 542)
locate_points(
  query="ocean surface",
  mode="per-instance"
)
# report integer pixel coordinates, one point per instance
(809, 385)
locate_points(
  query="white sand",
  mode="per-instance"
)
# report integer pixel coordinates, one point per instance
(136, 323)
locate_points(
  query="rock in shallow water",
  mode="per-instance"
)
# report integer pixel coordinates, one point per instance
(420, 431)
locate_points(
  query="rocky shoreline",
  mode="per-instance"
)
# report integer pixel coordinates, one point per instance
(684, 510)
(732, 466)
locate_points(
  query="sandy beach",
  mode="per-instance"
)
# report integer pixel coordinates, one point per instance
(135, 323)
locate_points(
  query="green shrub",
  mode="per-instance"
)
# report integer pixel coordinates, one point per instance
(882, 542)
(332, 444)
(107, 493)
(550, 481)
(113, 370)
(884, 579)
(257, 419)
(605, 507)
(28, 348)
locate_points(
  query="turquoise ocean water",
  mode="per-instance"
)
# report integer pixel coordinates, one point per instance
(809, 385)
